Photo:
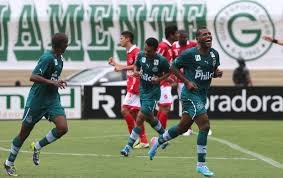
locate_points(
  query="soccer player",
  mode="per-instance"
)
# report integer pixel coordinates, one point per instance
(178, 47)
(131, 104)
(43, 100)
(165, 49)
(151, 68)
(200, 64)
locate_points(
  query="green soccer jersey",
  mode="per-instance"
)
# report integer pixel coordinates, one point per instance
(149, 68)
(198, 68)
(42, 95)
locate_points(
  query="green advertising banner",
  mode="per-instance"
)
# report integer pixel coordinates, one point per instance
(94, 27)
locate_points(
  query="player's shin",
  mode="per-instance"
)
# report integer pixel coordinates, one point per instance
(15, 147)
(201, 146)
(156, 125)
(169, 135)
(49, 138)
(134, 136)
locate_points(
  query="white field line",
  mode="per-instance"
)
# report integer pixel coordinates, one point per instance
(246, 151)
(222, 141)
(107, 155)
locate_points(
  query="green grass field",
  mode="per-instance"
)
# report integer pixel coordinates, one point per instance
(237, 149)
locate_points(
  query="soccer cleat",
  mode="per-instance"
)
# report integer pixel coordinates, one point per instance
(36, 152)
(126, 150)
(154, 145)
(204, 171)
(164, 145)
(141, 145)
(10, 170)
(188, 133)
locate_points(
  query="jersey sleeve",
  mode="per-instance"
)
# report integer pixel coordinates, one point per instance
(42, 66)
(182, 60)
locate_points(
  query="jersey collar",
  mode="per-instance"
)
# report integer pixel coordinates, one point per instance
(132, 48)
(167, 42)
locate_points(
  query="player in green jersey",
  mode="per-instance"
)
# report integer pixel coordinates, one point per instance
(151, 68)
(43, 100)
(200, 65)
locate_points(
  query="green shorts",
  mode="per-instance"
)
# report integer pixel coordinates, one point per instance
(193, 104)
(148, 106)
(33, 115)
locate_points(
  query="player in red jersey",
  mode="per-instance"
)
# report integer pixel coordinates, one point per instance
(131, 103)
(165, 49)
(178, 47)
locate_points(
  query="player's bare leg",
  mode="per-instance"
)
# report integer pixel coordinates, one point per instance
(54, 134)
(15, 147)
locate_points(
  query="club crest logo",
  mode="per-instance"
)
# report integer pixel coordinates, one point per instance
(239, 27)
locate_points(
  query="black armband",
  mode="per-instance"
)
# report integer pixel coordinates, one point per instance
(274, 41)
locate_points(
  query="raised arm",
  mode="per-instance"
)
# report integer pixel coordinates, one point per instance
(273, 40)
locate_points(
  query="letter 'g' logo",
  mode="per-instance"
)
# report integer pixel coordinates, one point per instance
(239, 27)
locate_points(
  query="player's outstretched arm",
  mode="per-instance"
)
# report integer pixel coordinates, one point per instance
(39, 79)
(273, 40)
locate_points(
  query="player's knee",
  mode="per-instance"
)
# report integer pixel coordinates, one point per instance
(125, 111)
(183, 128)
(205, 127)
(62, 131)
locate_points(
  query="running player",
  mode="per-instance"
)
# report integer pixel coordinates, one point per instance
(200, 65)
(43, 100)
(131, 104)
(151, 68)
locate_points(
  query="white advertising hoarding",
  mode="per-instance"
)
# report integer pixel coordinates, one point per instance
(13, 99)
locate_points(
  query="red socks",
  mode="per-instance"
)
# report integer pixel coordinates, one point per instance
(162, 117)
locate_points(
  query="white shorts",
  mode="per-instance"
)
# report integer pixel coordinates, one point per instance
(132, 101)
(166, 96)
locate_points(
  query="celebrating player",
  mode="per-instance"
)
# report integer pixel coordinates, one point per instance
(200, 64)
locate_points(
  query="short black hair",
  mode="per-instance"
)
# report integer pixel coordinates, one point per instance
(170, 30)
(58, 39)
(152, 42)
(129, 35)
(183, 32)
(199, 29)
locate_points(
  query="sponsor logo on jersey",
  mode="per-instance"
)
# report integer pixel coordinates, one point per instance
(143, 59)
(197, 57)
(203, 75)
(146, 77)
